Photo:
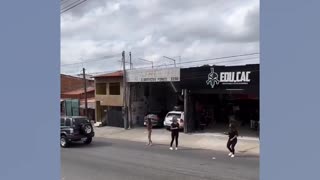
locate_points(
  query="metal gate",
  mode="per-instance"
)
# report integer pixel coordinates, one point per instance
(114, 117)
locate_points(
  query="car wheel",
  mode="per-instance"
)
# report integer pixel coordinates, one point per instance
(64, 142)
(88, 140)
(86, 129)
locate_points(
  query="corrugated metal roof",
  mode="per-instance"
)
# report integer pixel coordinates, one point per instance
(114, 74)
(79, 91)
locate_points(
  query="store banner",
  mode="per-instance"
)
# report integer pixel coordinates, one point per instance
(221, 77)
(154, 75)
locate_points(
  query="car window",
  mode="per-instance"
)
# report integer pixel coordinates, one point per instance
(61, 122)
(78, 121)
(68, 122)
(171, 115)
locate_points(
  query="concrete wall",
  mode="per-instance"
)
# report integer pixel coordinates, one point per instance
(110, 100)
(103, 101)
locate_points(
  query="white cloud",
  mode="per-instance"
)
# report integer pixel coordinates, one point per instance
(151, 29)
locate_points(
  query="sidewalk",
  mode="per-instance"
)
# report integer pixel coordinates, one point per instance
(211, 141)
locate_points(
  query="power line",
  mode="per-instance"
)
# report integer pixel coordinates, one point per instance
(67, 9)
(64, 1)
(201, 60)
(93, 60)
(69, 4)
(104, 72)
(212, 59)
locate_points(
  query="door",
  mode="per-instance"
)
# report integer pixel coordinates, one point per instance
(115, 117)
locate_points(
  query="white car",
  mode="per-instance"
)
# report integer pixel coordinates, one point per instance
(168, 119)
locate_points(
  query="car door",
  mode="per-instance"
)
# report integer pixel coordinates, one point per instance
(65, 125)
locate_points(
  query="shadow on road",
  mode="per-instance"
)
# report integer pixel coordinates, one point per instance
(93, 144)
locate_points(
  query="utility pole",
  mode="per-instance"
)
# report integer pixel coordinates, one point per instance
(124, 91)
(85, 91)
(129, 97)
(171, 59)
(130, 61)
(186, 111)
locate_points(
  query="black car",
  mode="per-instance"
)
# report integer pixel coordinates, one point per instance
(75, 128)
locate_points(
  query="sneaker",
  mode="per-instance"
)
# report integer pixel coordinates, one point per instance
(229, 154)
(171, 148)
(176, 148)
(232, 156)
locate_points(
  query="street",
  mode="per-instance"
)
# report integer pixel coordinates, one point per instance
(108, 159)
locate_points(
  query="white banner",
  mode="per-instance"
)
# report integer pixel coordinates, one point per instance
(153, 75)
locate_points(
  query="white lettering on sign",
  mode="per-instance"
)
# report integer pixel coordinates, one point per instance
(154, 75)
(234, 77)
(228, 78)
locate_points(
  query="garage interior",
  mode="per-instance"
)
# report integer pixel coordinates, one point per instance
(153, 97)
(212, 112)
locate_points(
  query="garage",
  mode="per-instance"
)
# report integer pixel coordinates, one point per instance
(155, 91)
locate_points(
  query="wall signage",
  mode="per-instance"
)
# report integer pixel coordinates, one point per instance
(231, 78)
(154, 75)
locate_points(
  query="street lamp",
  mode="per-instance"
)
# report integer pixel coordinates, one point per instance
(171, 59)
(147, 61)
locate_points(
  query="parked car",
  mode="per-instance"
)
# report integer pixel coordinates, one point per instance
(156, 119)
(75, 128)
(168, 119)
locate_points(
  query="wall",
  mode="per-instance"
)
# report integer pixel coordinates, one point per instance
(70, 83)
(110, 100)
(90, 94)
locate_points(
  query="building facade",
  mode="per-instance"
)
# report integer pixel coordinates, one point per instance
(218, 95)
(109, 99)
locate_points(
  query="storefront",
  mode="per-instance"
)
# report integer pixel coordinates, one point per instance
(217, 95)
(155, 91)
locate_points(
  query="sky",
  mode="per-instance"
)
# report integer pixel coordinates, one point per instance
(94, 34)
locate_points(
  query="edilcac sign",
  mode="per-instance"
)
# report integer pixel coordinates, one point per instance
(154, 75)
(238, 77)
(244, 77)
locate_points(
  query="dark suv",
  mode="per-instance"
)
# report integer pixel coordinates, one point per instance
(75, 128)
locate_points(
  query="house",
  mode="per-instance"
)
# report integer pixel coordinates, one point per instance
(109, 99)
(72, 96)
(79, 94)
(70, 83)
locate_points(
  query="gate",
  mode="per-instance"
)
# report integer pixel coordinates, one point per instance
(114, 117)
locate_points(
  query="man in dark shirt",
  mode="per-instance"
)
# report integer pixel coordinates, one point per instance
(174, 132)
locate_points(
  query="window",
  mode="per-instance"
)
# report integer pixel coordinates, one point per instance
(177, 115)
(78, 121)
(68, 122)
(114, 88)
(101, 88)
(62, 122)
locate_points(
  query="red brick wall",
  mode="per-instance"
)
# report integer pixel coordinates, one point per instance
(69, 83)
(90, 94)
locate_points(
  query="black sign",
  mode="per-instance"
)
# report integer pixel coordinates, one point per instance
(221, 78)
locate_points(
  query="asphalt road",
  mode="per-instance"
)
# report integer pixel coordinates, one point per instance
(107, 159)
